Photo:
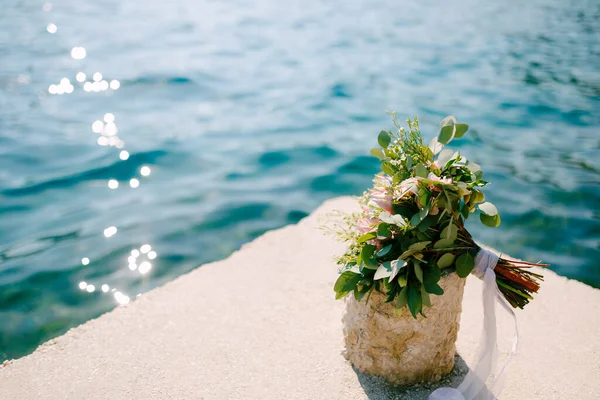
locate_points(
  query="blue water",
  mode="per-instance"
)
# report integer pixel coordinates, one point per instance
(249, 114)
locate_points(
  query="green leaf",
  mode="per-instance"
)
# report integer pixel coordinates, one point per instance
(446, 133)
(384, 271)
(443, 243)
(432, 276)
(450, 232)
(384, 231)
(384, 251)
(420, 216)
(465, 211)
(384, 139)
(366, 255)
(461, 129)
(401, 280)
(414, 300)
(388, 168)
(376, 152)
(418, 271)
(394, 219)
(366, 237)
(425, 297)
(492, 221)
(346, 282)
(449, 120)
(402, 298)
(464, 265)
(445, 260)
(435, 146)
(488, 209)
(426, 223)
(419, 245)
(340, 295)
(396, 267)
(421, 170)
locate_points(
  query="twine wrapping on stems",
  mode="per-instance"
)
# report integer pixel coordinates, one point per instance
(474, 386)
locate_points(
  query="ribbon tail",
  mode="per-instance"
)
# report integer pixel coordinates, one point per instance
(474, 386)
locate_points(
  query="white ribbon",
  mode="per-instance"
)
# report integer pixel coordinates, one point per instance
(474, 386)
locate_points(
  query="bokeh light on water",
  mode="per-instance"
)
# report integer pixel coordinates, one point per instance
(139, 140)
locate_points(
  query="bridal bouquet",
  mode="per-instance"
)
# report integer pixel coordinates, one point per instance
(411, 228)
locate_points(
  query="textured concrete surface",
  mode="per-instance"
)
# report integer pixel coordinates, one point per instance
(263, 324)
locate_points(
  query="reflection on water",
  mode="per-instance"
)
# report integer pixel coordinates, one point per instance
(232, 120)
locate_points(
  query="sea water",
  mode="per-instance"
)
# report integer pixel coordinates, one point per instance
(141, 139)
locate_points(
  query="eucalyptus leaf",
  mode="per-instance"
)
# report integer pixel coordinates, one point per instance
(376, 152)
(421, 170)
(450, 232)
(401, 280)
(384, 231)
(488, 209)
(366, 237)
(435, 146)
(491, 221)
(396, 267)
(384, 251)
(461, 129)
(449, 120)
(444, 156)
(445, 260)
(418, 217)
(394, 219)
(446, 134)
(384, 139)
(464, 265)
(388, 168)
(346, 282)
(443, 243)
(419, 245)
(384, 271)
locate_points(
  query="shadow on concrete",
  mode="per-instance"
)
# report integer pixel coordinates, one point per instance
(377, 388)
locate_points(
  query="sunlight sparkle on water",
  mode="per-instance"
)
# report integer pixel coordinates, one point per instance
(145, 248)
(82, 285)
(97, 77)
(51, 28)
(102, 141)
(105, 288)
(98, 126)
(115, 84)
(78, 53)
(85, 261)
(103, 85)
(152, 255)
(134, 183)
(113, 184)
(110, 231)
(145, 267)
(135, 253)
(124, 155)
(110, 129)
(109, 117)
(145, 170)
(47, 7)
(90, 288)
(88, 86)
(80, 77)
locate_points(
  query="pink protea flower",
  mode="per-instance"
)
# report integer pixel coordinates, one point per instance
(406, 186)
(367, 224)
(381, 199)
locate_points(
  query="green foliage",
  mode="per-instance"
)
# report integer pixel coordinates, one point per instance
(417, 209)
